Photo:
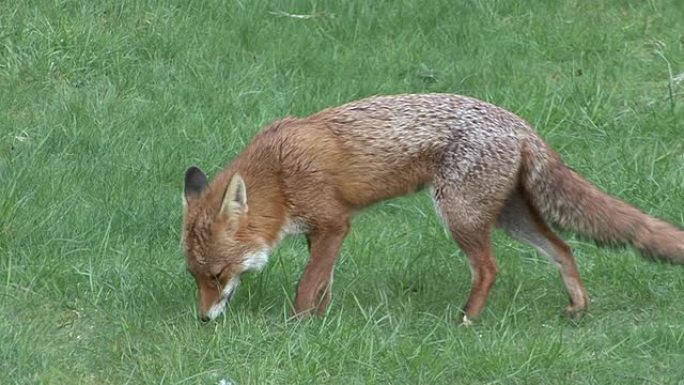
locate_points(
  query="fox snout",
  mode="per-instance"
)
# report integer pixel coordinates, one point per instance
(220, 305)
(214, 299)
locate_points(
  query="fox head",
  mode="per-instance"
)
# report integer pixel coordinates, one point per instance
(217, 244)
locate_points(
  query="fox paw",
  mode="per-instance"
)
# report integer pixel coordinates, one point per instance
(575, 312)
(465, 321)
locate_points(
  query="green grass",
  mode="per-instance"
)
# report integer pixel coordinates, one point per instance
(104, 104)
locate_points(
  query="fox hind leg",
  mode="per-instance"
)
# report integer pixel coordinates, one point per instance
(521, 220)
(470, 221)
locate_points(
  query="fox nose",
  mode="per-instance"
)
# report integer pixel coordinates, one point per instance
(204, 319)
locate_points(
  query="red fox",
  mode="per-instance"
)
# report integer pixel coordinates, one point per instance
(485, 168)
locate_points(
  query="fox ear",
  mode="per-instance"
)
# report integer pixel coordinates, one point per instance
(235, 199)
(195, 183)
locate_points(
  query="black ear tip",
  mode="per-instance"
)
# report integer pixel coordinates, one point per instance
(192, 170)
(195, 181)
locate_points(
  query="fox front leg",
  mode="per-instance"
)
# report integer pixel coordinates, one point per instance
(314, 290)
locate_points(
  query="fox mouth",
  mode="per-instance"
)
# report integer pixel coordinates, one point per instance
(227, 296)
(220, 305)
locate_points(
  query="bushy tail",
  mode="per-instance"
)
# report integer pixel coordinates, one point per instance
(573, 203)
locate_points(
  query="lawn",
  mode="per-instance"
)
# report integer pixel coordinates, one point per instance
(104, 104)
